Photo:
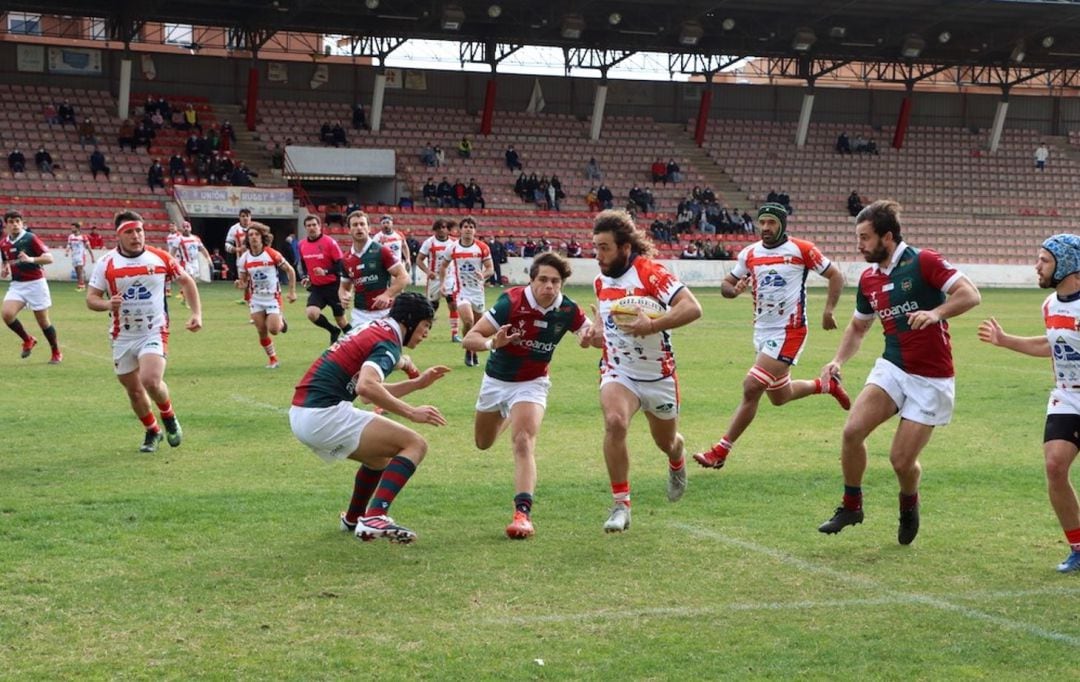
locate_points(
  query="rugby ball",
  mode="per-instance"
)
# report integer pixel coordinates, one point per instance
(626, 308)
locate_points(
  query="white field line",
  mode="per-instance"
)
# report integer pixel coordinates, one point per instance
(67, 348)
(868, 583)
(251, 402)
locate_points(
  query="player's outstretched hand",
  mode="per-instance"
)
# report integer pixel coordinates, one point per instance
(831, 369)
(505, 336)
(427, 414)
(194, 323)
(991, 332)
(432, 374)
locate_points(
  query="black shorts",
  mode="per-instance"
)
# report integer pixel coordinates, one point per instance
(435, 302)
(323, 295)
(1062, 427)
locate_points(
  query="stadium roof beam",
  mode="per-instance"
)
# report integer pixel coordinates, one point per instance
(899, 71)
(251, 39)
(704, 64)
(593, 58)
(804, 67)
(1005, 77)
(487, 52)
(378, 47)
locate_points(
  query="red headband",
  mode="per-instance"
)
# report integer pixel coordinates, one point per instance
(128, 225)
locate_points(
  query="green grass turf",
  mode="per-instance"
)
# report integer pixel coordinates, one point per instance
(222, 559)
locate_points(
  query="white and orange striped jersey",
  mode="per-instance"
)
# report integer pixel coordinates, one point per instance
(467, 263)
(264, 281)
(77, 246)
(172, 244)
(431, 250)
(141, 281)
(395, 241)
(778, 280)
(189, 248)
(647, 358)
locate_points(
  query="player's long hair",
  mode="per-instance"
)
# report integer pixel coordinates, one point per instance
(264, 232)
(884, 215)
(621, 226)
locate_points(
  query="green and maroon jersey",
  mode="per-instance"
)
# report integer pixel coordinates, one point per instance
(915, 280)
(27, 243)
(369, 271)
(332, 379)
(541, 329)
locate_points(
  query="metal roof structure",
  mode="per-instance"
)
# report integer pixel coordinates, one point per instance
(999, 42)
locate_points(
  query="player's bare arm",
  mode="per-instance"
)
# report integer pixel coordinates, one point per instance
(290, 274)
(849, 345)
(962, 297)
(733, 286)
(990, 331)
(683, 310)
(191, 296)
(43, 259)
(96, 301)
(489, 269)
(836, 286)
(370, 388)
(344, 293)
(595, 337)
(399, 279)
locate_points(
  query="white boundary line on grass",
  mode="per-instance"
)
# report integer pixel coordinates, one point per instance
(895, 595)
(67, 348)
(250, 402)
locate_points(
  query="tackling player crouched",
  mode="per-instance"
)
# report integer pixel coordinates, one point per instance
(323, 418)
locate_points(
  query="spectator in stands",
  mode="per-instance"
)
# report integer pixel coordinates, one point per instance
(427, 156)
(474, 195)
(684, 220)
(591, 200)
(431, 192)
(213, 140)
(747, 222)
(871, 147)
(94, 239)
(191, 146)
(326, 133)
(696, 193)
(165, 110)
(1042, 153)
(498, 259)
(532, 183)
(513, 161)
(528, 249)
(277, 157)
(43, 161)
(605, 197)
(16, 161)
(86, 133)
(155, 177)
(573, 248)
(337, 136)
(858, 144)
(552, 197)
(242, 175)
(97, 164)
(51, 117)
(843, 144)
(66, 112)
(126, 135)
(521, 186)
(150, 105)
(540, 195)
(854, 203)
(446, 193)
(440, 157)
(637, 197)
(544, 246)
(650, 201)
(674, 173)
(459, 193)
(359, 118)
(190, 120)
(557, 184)
(143, 135)
(464, 148)
(177, 167)
(228, 136)
(157, 121)
(772, 197)
(512, 247)
(659, 172)
(218, 269)
(691, 252)
(661, 230)
(784, 200)
(592, 170)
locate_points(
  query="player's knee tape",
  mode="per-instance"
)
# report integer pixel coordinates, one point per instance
(761, 376)
(780, 383)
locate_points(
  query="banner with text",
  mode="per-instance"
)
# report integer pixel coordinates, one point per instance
(225, 202)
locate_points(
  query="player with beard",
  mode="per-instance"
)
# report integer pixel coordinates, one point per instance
(129, 283)
(1057, 267)
(775, 270)
(259, 269)
(637, 370)
(913, 292)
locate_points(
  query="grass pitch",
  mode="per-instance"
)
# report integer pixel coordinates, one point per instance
(222, 558)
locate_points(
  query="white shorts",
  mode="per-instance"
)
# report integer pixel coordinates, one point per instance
(785, 345)
(474, 297)
(658, 398)
(33, 294)
(434, 289)
(362, 318)
(496, 394)
(332, 433)
(127, 351)
(264, 304)
(193, 269)
(923, 400)
(1063, 401)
